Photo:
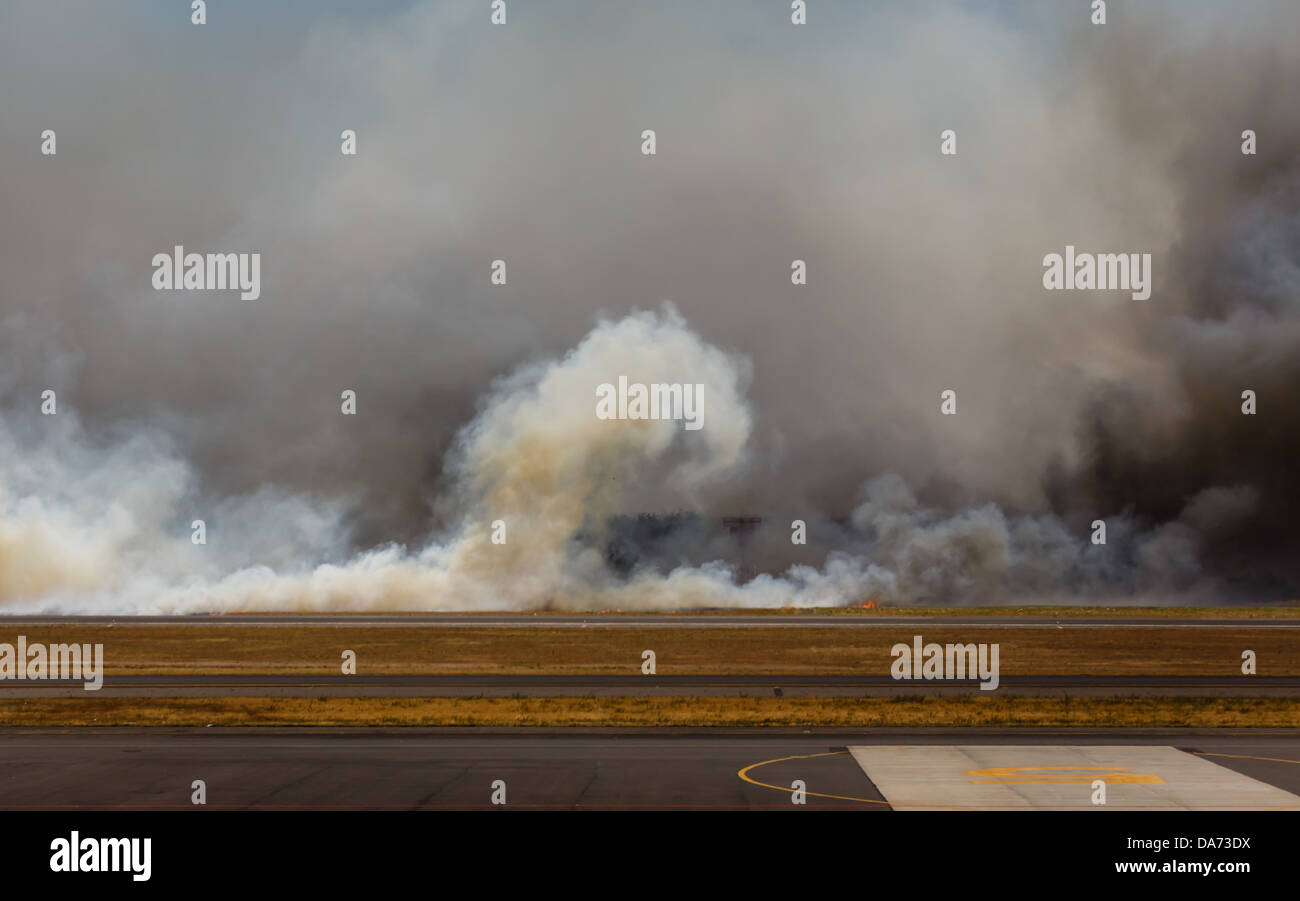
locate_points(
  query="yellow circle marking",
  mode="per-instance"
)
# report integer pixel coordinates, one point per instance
(744, 775)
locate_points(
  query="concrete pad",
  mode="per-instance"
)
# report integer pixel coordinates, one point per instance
(1055, 777)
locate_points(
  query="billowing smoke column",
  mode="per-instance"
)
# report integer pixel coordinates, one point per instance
(106, 528)
(476, 402)
(84, 527)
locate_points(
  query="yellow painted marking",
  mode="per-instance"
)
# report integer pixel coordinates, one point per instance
(1029, 775)
(744, 775)
(1245, 757)
(1252, 757)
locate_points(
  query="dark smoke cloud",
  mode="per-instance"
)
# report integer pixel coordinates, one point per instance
(521, 143)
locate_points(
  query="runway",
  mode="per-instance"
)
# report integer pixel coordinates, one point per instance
(775, 685)
(313, 768)
(657, 621)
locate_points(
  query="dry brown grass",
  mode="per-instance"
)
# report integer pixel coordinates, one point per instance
(221, 649)
(656, 712)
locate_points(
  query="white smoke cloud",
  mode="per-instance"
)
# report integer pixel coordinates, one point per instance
(91, 525)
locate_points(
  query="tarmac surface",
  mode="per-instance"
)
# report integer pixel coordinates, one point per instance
(317, 768)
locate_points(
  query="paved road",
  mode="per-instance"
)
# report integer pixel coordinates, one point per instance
(634, 621)
(452, 768)
(459, 686)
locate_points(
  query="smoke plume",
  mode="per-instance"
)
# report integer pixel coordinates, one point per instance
(476, 401)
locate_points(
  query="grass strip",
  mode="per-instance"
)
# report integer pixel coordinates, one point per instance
(606, 651)
(655, 712)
